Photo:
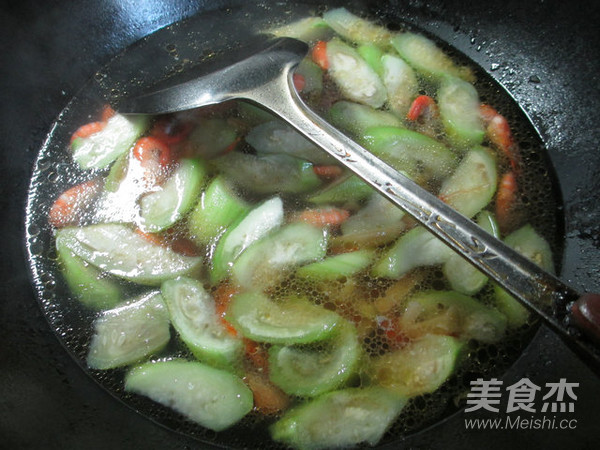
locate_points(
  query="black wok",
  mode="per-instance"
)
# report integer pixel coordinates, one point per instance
(544, 54)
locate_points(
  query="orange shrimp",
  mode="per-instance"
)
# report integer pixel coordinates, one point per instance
(506, 199)
(319, 55)
(87, 130)
(422, 106)
(299, 82)
(328, 172)
(223, 295)
(70, 206)
(324, 216)
(268, 398)
(499, 134)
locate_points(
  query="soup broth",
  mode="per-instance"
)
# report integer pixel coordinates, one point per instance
(218, 264)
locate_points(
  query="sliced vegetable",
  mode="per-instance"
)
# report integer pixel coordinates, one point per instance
(218, 207)
(309, 29)
(372, 54)
(267, 259)
(312, 75)
(409, 151)
(414, 249)
(376, 223)
(128, 333)
(91, 287)
(355, 118)
(451, 313)
(268, 174)
(426, 57)
(120, 251)
(292, 320)
(194, 316)
(462, 275)
(401, 83)
(339, 419)
(459, 109)
(212, 138)
(342, 190)
(101, 148)
(312, 370)
(337, 266)
(419, 368)
(356, 29)
(163, 208)
(276, 137)
(530, 244)
(210, 397)
(472, 185)
(357, 81)
(252, 227)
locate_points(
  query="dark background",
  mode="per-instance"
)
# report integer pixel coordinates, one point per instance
(543, 52)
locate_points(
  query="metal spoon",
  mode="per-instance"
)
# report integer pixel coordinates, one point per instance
(264, 76)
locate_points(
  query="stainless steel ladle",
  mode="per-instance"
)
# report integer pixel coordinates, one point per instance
(264, 77)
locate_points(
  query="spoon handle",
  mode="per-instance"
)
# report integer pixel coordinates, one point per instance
(538, 290)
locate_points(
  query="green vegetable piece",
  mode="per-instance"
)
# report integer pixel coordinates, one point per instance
(461, 274)
(266, 260)
(268, 174)
(355, 119)
(356, 80)
(410, 151)
(339, 419)
(473, 184)
(116, 174)
(276, 137)
(213, 398)
(194, 316)
(530, 244)
(292, 321)
(309, 29)
(162, 209)
(419, 368)
(312, 74)
(118, 250)
(337, 266)
(212, 138)
(308, 371)
(252, 227)
(372, 54)
(129, 333)
(218, 207)
(252, 114)
(376, 223)
(414, 249)
(451, 313)
(347, 189)
(426, 57)
(459, 108)
(400, 82)
(116, 138)
(356, 29)
(91, 287)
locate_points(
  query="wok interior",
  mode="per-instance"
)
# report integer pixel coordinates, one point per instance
(172, 51)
